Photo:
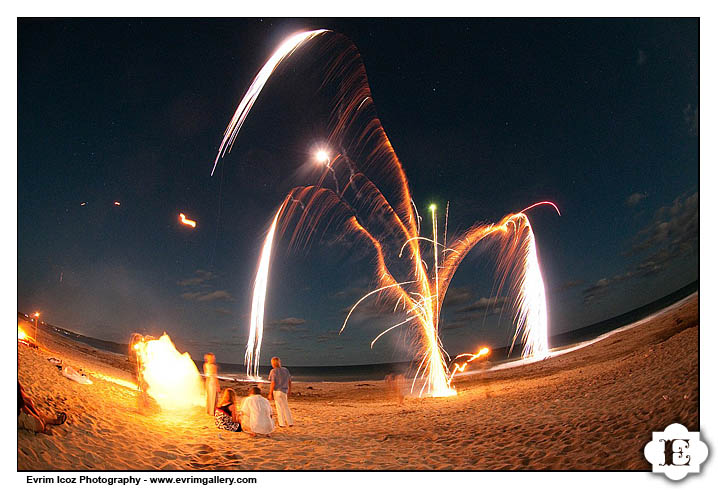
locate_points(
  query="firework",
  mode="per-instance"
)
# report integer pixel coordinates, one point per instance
(484, 351)
(256, 322)
(370, 203)
(185, 221)
(245, 105)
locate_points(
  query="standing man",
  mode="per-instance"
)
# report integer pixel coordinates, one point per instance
(279, 389)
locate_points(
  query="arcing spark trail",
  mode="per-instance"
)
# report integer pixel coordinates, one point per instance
(369, 202)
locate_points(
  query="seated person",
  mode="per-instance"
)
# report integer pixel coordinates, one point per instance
(225, 415)
(30, 418)
(256, 414)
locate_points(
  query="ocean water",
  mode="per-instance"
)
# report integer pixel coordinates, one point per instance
(370, 372)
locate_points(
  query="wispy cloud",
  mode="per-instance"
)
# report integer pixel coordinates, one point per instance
(485, 305)
(635, 198)
(674, 228)
(290, 321)
(454, 325)
(289, 324)
(328, 335)
(672, 234)
(568, 285)
(199, 288)
(200, 276)
(457, 296)
(219, 294)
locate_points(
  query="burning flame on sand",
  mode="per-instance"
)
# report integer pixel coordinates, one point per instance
(169, 377)
(22, 335)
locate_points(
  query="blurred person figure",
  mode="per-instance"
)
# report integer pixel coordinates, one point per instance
(211, 382)
(395, 387)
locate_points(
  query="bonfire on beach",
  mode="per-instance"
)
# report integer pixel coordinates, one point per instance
(593, 408)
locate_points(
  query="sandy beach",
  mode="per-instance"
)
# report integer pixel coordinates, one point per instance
(590, 409)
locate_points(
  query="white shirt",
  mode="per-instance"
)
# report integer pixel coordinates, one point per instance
(257, 415)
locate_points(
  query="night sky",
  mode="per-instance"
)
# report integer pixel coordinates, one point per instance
(599, 116)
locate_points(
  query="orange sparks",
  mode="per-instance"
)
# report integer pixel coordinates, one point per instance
(472, 357)
(185, 221)
(371, 201)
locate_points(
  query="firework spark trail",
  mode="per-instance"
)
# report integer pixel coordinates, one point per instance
(186, 221)
(531, 316)
(372, 134)
(471, 357)
(284, 50)
(389, 221)
(446, 229)
(256, 319)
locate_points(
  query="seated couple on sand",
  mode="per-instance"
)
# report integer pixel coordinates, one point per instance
(254, 416)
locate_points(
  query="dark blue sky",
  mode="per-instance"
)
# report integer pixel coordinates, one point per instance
(599, 116)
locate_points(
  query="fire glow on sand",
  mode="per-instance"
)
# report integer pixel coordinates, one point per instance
(368, 201)
(21, 334)
(169, 377)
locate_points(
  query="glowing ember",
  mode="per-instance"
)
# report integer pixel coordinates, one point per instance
(117, 203)
(188, 222)
(388, 222)
(172, 378)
